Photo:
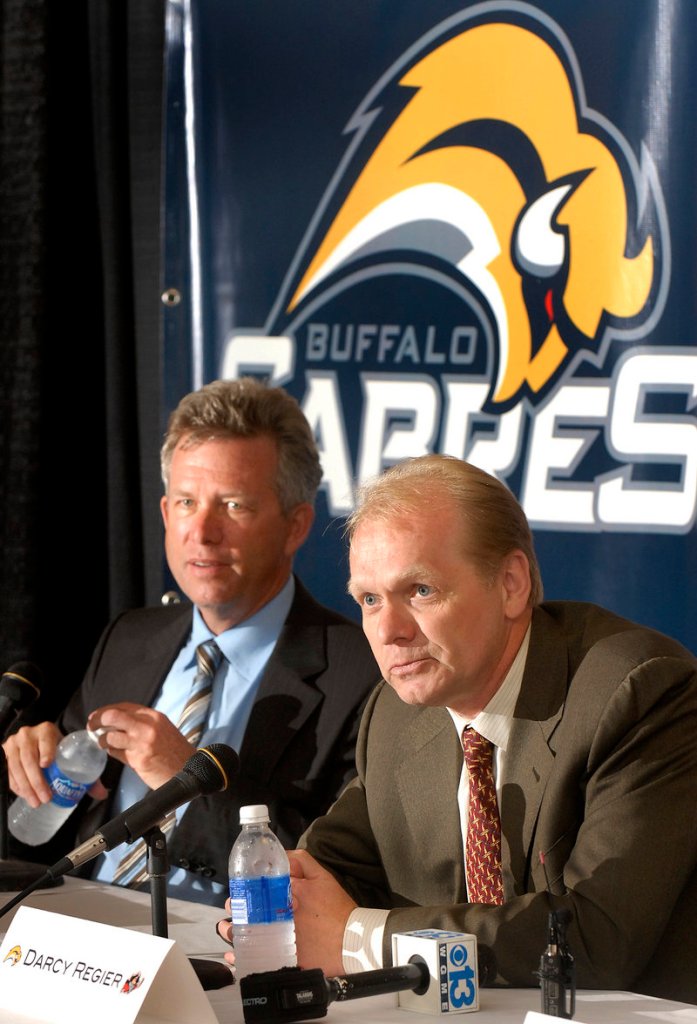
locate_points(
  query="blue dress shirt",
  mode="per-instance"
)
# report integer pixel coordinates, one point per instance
(247, 648)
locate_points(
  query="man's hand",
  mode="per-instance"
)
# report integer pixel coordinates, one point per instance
(224, 929)
(28, 751)
(321, 909)
(143, 739)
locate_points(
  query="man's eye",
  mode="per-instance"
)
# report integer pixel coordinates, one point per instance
(423, 590)
(232, 505)
(369, 600)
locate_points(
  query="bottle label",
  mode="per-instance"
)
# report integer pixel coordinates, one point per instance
(66, 793)
(260, 900)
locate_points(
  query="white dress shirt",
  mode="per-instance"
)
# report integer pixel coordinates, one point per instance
(363, 935)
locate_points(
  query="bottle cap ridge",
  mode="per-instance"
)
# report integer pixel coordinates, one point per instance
(253, 813)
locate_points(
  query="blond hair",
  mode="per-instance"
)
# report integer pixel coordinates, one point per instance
(494, 523)
(248, 408)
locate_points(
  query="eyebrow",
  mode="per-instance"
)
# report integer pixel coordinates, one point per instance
(412, 572)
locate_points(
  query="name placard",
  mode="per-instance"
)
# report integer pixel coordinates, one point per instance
(53, 967)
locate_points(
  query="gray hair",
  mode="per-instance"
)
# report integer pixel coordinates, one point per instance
(248, 408)
(496, 524)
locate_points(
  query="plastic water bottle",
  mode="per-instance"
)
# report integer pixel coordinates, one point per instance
(79, 762)
(262, 913)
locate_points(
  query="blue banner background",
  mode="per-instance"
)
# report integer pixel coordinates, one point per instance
(258, 99)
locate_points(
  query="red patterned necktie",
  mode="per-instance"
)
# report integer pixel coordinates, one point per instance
(483, 851)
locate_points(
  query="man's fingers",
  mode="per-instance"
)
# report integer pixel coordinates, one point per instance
(224, 930)
(303, 864)
(48, 740)
(113, 719)
(144, 739)
(28, 751)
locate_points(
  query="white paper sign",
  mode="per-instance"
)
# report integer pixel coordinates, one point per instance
(54, 968)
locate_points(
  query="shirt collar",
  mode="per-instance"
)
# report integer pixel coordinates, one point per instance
(248, 645)
(495, 720)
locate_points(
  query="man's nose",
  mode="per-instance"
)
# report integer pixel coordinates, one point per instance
(395, 624)
(206, 526)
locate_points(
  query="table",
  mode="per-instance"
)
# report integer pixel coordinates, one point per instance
(192, 925)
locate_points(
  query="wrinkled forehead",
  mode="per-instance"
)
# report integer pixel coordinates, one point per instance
(420, 522)
(388, 545)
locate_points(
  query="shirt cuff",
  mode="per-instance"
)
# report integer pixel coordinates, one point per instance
(363, 934)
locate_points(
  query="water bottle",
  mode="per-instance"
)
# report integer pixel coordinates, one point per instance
(262, 913)
(79, 762)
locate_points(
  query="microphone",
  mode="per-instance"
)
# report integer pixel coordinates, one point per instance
(431, 974)
(19, 688)
(292, 994)
(208, 770)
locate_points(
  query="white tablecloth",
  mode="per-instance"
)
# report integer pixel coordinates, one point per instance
(192, 925)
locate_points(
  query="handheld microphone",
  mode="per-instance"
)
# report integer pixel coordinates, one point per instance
(431, 975)
(208, 770)
(291, 994)
(19, 688)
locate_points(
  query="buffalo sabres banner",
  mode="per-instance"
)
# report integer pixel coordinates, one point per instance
(457, 227)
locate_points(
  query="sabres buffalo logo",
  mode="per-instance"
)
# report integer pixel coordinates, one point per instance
(477, 156)
(14, 956)
(132, 983)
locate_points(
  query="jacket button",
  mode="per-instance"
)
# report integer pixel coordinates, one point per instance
(183, 863)
(207, 872)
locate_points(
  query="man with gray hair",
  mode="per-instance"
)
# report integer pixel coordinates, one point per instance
(253, 661)
(519, 757)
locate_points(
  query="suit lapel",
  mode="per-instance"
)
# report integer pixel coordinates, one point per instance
(427, 778)
(530, 755)
(142, 668)
(286, 697)
(158, 654)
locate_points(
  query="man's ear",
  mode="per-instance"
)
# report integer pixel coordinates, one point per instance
(300, 521)
(515, 579)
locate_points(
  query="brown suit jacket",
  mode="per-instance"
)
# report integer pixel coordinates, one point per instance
(600, 775)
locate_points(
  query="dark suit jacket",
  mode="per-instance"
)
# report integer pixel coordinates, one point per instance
(298, 748)
(600, 775)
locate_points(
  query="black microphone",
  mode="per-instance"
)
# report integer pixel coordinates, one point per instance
(291, 994)
(19, 687)
(209, 770)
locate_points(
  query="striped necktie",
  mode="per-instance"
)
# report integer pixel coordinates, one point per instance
(483, 847)
(195, 711)
(132, 869)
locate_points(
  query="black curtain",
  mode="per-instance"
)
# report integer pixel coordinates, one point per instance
(80, 409)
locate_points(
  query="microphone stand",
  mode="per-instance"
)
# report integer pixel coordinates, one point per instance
(15, 874)
(210, 973)
(158, 869)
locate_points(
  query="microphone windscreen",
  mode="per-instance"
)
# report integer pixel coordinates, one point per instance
(213, 767)
(21, 684)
